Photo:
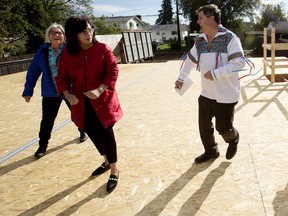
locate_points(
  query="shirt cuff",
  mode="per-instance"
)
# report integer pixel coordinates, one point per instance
(213, 74)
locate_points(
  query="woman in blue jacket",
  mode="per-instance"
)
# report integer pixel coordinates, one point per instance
(45, 62)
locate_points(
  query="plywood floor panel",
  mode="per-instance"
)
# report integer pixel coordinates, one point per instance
(158, 140)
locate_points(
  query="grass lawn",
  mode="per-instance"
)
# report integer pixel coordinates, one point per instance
(166, 48)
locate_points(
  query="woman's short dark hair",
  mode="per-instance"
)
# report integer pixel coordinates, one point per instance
(211, 10)
(73, 26)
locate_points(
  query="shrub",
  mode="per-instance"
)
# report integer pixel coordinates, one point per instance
(173, 43)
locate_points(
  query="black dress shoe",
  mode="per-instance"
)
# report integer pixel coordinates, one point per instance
(112, 183)
(40, 152)
(83, 137)
(205, 157)
(103, 168)
(231, 151)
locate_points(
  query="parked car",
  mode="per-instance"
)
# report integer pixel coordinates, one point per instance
(158, 41)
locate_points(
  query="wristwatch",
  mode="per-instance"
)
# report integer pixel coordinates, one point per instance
(101, 89)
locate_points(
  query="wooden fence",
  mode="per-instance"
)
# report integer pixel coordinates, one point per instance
(15, 64)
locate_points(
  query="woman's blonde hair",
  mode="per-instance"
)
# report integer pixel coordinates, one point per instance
(53, 25)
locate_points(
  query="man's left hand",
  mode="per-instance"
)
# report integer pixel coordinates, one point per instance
(209, 76)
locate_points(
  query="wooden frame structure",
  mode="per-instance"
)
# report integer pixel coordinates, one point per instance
(271, 62)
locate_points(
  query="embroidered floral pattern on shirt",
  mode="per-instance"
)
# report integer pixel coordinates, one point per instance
(191, 57)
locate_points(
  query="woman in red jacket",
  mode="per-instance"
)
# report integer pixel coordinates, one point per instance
(93, 71)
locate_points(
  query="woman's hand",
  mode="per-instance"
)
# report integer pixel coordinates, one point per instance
(95, 93)
(27, 98)
(73, 100)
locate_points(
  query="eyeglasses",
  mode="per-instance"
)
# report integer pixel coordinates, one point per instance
(87, 32)
(56, 32)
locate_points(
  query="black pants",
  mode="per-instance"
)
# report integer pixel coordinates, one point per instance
(50, 108)
(224, 116)
(102, 138)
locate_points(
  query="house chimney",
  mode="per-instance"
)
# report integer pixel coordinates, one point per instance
(139, 16)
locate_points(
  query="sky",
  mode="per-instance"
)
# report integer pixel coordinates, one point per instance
(285, 2)
(148, 9)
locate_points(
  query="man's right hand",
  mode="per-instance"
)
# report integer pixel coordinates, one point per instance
(178, 84)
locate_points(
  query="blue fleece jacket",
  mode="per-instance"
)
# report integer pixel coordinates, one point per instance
(40, 65)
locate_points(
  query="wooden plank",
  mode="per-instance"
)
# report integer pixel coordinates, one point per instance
(281, 66)
(276, 46)
(266, 64)
(278, 59)
(272, 62)
(265, 50)
(273, 55)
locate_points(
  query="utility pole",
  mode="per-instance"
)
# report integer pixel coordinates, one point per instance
(178, 25)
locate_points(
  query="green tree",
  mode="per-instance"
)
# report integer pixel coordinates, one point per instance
(231, 11)
(37, 19)
(26, 20)
(165, 14)
(103, 29)
(12, 22)
(60, 10)
(43, 13)
(16, 23)
(270, 13)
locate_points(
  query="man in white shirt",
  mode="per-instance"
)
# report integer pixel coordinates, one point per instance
(218, 55)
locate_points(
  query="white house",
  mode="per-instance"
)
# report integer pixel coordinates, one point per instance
(280, 26)
(126, 22)
(165, 32)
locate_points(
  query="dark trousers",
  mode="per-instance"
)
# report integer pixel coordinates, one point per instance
(102, 138)
(224, 116)
(50, 108)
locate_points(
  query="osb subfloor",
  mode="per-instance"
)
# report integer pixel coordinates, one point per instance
(158, 140)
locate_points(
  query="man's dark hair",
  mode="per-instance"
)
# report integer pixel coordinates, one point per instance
(211, 10)
(73, 26)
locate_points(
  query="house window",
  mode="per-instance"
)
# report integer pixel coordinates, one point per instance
(174, 32)
(131, 25)
(157, 33)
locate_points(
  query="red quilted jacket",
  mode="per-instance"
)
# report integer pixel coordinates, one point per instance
(86, 71)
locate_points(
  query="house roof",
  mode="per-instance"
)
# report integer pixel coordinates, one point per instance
(118, 19)
(123, 19)
(168, 27)
(280, 26)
